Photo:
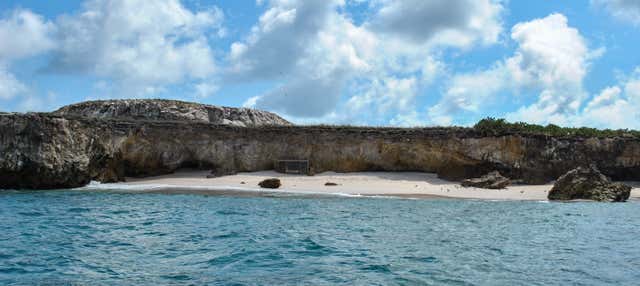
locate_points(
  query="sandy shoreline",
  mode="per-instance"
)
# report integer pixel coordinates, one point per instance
(402, 184)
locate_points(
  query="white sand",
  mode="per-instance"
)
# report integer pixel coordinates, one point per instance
(404, 184)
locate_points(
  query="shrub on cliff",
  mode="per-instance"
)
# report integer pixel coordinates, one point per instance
(498, 126)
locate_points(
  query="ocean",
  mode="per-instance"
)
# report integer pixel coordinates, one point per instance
(116, 238)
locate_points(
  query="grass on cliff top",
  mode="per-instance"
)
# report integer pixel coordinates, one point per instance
(493, 126)
(497, 126)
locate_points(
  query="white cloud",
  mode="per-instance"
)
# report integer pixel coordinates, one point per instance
(615, 107)
(24, 34)
(469, 93)
(304, 96)
(161, 43)
(282, 37)
(9, 85)
(318, 54)
(454, 22)
(205, 89)
(554, 57)
(396, 94)
(311, 48)
(607, 97)
(549, 51)
(625, 10)
(551, 59)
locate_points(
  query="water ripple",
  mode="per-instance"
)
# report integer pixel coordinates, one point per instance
(102, 238)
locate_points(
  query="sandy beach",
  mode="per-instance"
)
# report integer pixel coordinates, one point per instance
(402, 184)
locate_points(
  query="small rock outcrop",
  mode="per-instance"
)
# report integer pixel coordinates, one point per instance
(171, 110)
(493, 180)
(587, 183)
(270, 183)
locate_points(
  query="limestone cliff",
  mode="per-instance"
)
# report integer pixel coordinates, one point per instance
(172, 110)
(59, 151)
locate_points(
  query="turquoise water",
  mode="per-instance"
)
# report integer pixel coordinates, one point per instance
(76, 238)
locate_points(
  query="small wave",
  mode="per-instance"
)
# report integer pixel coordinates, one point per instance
(378, 268)
(32, 214)
(78, 210)
(428, 259)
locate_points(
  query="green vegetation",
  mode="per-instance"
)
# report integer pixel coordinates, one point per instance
(493, 126)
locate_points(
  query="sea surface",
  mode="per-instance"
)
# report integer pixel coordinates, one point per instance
(113, 238)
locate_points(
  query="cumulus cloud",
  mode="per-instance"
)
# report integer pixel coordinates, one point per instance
(455, 22)
(318, 53)
(383, 95)
(22, 34)
(304, 96)
(551, 59)
(9, 85)
(554, 57)
(625, 10)
(549, 52)
(282, 36)
(141, 45)
(614, 107)
(469, 93)
(308, 46)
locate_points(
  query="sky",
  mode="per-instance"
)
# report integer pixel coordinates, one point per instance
(356, 62)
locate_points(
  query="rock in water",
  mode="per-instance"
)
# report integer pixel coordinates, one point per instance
(171, 110)
(493, 180)
(270, 183)
(588, 184)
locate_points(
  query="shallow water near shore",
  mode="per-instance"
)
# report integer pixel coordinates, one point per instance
(116, 238)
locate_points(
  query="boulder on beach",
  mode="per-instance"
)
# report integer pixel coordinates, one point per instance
(587, 183)
(272, 183)
(493, 180)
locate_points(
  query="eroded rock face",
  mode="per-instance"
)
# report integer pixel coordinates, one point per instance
(270, 183)
(41, 151)
(493, 180)
(171, 110)
(588, 183)
(217, 172)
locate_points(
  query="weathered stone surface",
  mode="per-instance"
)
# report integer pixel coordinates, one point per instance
(270, 183)
(588, 183)
(220, 172)
(41, 151)
(172, 110)
(492, 180)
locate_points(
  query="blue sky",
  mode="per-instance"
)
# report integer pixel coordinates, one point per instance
(379, 62)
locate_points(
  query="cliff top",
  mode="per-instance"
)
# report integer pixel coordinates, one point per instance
(493, 126)
(159, 110)
(171, 110)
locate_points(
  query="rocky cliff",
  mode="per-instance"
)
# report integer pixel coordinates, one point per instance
(61, 150)
(170, 110)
